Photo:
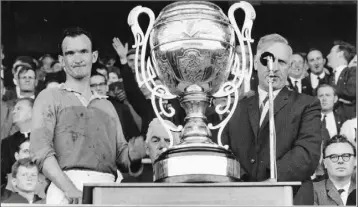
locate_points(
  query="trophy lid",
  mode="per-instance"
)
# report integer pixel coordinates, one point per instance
(191, 9)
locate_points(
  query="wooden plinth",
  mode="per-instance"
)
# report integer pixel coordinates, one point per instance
(174, 194)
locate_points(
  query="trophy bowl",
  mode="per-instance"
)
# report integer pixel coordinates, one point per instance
(192, 48)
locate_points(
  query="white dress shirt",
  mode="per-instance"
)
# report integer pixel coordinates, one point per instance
(330, 124)
(337, 72)
(344, 194)
(262, 96)
(299, 83)
(314, 79)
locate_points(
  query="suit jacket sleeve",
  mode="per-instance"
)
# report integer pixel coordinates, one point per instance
(347, 90)
(300, 162)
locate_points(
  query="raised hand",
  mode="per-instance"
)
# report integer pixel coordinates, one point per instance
(120, 49)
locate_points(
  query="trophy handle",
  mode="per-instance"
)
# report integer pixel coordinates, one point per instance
(245, 35)
(228, 108)
(161, 89)
(147, 74)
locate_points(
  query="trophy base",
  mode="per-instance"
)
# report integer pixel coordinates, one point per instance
(196, 163)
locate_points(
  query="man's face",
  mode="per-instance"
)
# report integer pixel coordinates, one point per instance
(24, 151)
(77, 56)
(26, 179)
(296, 70)
(327, 98)
(111, 62)
(98, 84)
(158, 142)
(333, 57)
(113, 77)
(339, 168)
(46, 64)
(130, 60)
(22, 112)
(27, 81)
(316, 61)
(57, 67)
(281, 64)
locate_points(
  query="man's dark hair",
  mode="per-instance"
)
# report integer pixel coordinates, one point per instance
(23, 69)
(75, 32)
(98, 65)
(95, 73)
(349, 51)
(338, 139)
(329, 86)
(21, 141)
(26, 162)
(25, 60)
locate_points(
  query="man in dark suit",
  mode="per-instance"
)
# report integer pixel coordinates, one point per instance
(317, 75)
(330, 119)
(339, 158)
(297, 120)
(296, 80)
(344, 77)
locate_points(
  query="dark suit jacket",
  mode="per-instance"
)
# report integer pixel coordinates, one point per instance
(298, 134)
(325, 193)
(306, 86)
(346, 89)
(313, 92)
(340, 119)
(17, 198)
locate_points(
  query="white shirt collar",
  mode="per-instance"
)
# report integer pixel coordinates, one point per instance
(17, 88)
(340, 68)
(94, 93)
(263, 93)
(328, 114)
(320, 75)
(294, 79)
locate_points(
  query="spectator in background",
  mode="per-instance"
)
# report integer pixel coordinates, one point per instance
(343, 78)
(131, 121)
(349, 130)
(157, 139)
(339, 160)
(22, 116)
(98, 83)
(317, 75)
(114, 76)
(100, 68)
(46, 63)
(76, 134)
(296, 75)
(25, 178)
(5, 113)
(26, 79)
(329, 118)
(131, 88)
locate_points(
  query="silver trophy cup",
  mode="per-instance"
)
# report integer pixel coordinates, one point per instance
(192, 52)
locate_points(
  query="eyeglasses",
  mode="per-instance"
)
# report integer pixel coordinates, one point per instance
(345, 157)
(97, 85)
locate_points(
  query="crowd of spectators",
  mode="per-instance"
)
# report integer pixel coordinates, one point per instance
(329, 78)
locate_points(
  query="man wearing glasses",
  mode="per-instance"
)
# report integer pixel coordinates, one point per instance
(297, 120)
(340, 161)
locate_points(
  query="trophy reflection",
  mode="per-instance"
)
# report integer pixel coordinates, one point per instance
(192, 52)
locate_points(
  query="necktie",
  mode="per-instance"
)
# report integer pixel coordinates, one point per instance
(262, 105)
(340, 191)
(296, 87)
(334, 77)
(324, 121)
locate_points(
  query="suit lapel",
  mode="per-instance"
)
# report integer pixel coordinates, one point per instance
(254, 113)
(332, 192)
(279, 102)
(351, 187)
